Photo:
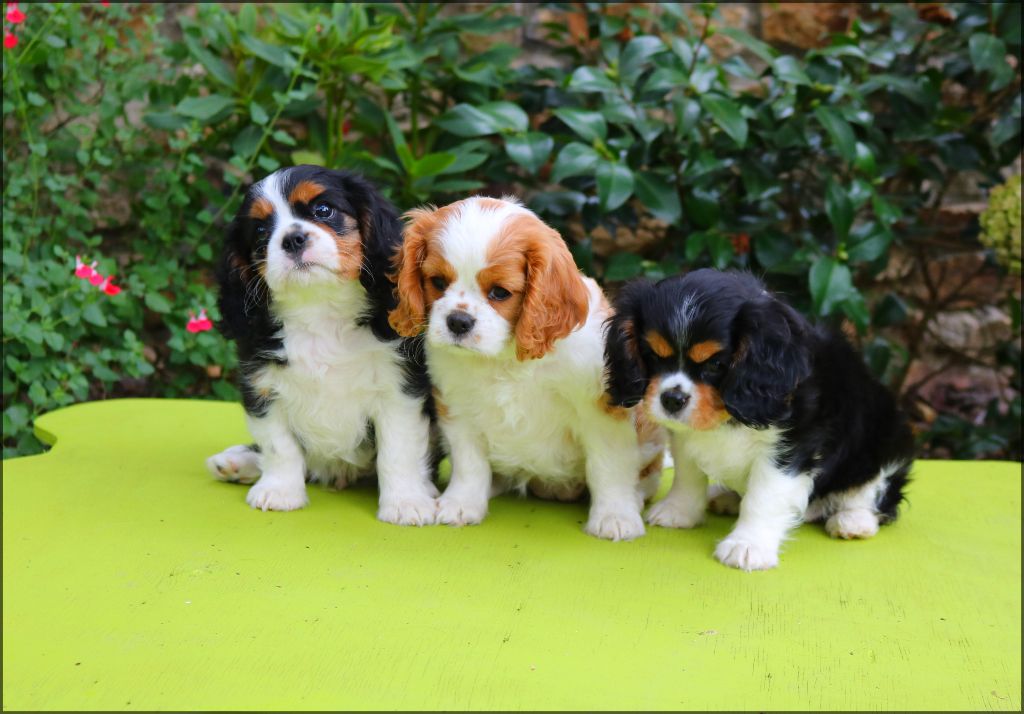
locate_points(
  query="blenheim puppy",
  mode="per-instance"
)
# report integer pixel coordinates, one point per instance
(759, 400)
(330, 391)
(514, 344)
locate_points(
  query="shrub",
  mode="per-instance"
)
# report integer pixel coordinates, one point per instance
(129, 135)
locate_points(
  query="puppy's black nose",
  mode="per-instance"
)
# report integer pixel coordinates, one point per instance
(294, 242)
(460, 322)
(674, 400)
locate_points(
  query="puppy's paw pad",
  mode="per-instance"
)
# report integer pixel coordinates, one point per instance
(239, 464)
(746, 555)
(671, 515)
(275, 498)
(408, 511)
(615, 526)
(453, 512)
(860, 523)
(724, 503)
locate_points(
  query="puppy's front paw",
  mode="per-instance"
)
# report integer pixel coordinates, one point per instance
(409, 510)
(237, 464)
(275, 496)
(671, 514)
(456, 512)
(615, 525)
(746, 555)
(858, 523)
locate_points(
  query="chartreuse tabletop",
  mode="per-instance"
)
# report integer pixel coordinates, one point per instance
(132, 580)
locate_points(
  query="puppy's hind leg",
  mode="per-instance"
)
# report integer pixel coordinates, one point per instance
(236, 464)
(859, 511)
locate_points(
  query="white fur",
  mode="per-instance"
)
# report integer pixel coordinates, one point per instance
(338, 379)
(534, 419)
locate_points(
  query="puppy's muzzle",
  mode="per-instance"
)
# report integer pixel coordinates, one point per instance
(674, 400)
(460, 322)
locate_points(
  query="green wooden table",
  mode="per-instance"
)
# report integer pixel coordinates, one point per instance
(132, 580)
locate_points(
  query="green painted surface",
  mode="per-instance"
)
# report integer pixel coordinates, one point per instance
(132, 580)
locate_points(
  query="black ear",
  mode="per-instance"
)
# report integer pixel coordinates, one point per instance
(381, 231)
(232, 277)
(771, 356)
(625, 372)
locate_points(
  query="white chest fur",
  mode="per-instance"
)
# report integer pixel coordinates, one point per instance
(725, 454)
(337, 376)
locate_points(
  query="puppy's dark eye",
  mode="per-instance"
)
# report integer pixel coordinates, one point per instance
(323, 211)
(714, 367)
(261, 230)
(439, 283)
(498, 293)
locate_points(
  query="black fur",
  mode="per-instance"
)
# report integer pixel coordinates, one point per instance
(775, 369)
(245, 300)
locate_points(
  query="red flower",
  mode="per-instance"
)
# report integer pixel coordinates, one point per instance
(740, 243)
(96, 279)
(199, 324)
(108, 286)
(14, 15)
(346, 127)
(104, 3)
(82, 270)
(10, 41)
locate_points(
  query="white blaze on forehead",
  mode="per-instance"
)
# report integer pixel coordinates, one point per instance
(469, 232)
(270, 189)
(682, 317)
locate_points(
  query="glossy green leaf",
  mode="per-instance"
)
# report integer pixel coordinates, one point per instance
(589, 125)
(591, 79)
(727, 115)
(839, 131)
(467, 120)
(658, 196)
(531, 150)
(623, 266)
(839, 208)
(759, 48)
(788, 69)
(614, 184)
(204, 108)
(635, 55)
(830, 284)
(574, 159)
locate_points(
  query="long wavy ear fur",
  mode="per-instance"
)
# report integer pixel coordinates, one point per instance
(771, 358)
(409, 316)
(556, 301)
(625, 372)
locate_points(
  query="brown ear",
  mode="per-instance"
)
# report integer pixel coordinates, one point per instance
(557, 300)
(409, 317)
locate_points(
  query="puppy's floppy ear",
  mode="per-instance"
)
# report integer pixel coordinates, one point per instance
(234, 273)
(770, 358)
(625, 372)
(410, 316)
(556, 300)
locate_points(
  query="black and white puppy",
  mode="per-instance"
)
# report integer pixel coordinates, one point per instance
(330, 391)
(761, 402)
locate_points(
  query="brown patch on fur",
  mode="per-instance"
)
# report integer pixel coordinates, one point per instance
(556, 300)
(261, 208)
(350, 248)
(506, 268)
(653, 467)
(610, 409)
(708, 409)
(658, 344)
(305, 192)
(439, 406)
(703, 351)
(409, 317)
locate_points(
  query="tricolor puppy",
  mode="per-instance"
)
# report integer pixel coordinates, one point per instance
(514, 344)
(760, 401)
(330, 391)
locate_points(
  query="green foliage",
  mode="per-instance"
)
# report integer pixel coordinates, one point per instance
(129, 135)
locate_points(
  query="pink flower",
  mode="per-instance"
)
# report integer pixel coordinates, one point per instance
(104, 3)
(14, 15)
(10, 40)
(82, 270)
(199, 324)
(95, 279)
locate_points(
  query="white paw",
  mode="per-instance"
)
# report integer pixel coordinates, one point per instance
(455, 512)
(614, 525)
(410, 510)
(859, 523)
(671, 514)
(237, 464)
(746, 555)
(723, 501)
(274, 496)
